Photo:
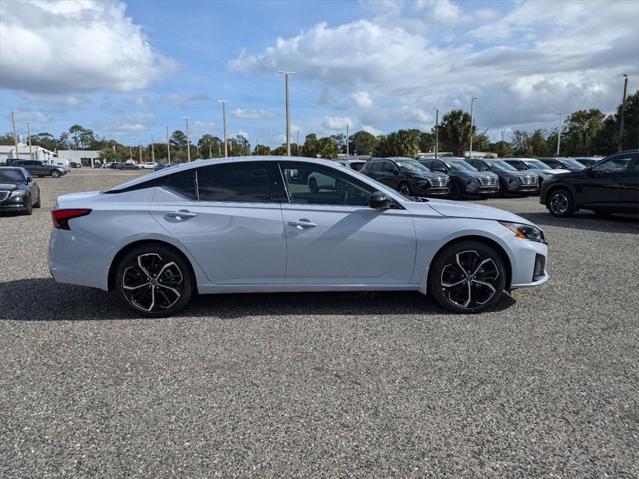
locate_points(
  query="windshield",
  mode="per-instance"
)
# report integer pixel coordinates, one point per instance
(502, 165)
(460, 165)
(11, 176)
(412, 166)
(572, 163)
(536, 164)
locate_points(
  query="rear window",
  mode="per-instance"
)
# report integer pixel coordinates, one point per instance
(183, 183)
(236, 182)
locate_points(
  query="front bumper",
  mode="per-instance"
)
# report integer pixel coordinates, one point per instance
(17, 203)
(529, 265)
(479, 189)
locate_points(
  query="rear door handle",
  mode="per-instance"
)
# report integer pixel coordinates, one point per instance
(180, 215)
(302, 224)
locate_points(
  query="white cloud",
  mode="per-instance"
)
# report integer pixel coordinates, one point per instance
(337, 123)
(536, 71)
(446, 12)
(251, 114)
(73, 46)
(362, 99)
(371, 130)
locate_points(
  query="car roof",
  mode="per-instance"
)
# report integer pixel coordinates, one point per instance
(219, 161)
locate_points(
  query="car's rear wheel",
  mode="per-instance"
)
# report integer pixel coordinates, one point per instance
(455, 190)
(154, 281)
(560, 203)
(404, 189)
(467, 277)
(55, 174)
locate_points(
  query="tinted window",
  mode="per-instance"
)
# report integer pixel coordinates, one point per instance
(237, 182)
(183, 183)
(614, 165)
(388, 167)
(324, 186)
(11, 176)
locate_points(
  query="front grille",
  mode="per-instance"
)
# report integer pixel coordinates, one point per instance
(487, 181)
(529, 179)
(438, 181)
(3, 195)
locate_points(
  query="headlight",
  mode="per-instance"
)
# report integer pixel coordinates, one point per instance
(16, 193)
(528, 232)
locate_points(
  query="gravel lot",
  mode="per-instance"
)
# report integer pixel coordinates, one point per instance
(323, 385)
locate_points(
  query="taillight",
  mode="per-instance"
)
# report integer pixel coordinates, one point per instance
(61, 217)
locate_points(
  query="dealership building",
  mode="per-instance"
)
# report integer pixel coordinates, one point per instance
(85, 157)
(8, 153)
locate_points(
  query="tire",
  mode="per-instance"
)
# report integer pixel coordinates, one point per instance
(29, 208)
(154, 281)
(560, 203)
(38, 203)
(404, 189)
(312, 185)
(55, 174)
(467, 277)
(455, 190)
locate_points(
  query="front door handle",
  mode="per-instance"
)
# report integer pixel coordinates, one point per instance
(303, 223)
(180, 215)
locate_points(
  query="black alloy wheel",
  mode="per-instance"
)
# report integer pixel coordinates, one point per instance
(560, 203)
(467, 277)
(154, 281)
(404, 189)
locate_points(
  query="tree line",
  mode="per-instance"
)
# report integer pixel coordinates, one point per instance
(583, 133)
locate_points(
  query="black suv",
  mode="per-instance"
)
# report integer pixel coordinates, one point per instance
(407, 176)
(511, 180)
(610, 186)
(464, 179)
(18, 191)
(39, 168)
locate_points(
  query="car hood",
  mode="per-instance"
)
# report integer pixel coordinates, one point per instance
(458, 209)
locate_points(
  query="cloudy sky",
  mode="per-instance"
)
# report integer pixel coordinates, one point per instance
(126, 69)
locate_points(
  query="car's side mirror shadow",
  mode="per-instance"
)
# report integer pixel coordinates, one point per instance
(379, 201)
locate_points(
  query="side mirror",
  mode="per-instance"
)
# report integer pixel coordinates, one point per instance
(395, 171)
(379, 201)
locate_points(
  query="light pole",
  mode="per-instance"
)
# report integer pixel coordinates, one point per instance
(15, 135)
(168, 146)
(472, 101)
(436, 132)
(152, 148)
(29, 138)
(130, 154)
(226, 148)
(558, 134)
(188, 142)
(140, 149)
(288, 112)
(347, 147)
(623, 108)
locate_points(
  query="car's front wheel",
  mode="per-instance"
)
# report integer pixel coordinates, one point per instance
(55, 174)
(154, 281)
(560, 203)
(455, 190)
(404, 189)
(467, 277)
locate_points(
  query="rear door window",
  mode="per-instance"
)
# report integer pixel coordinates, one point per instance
(244, 182)
(183, 183)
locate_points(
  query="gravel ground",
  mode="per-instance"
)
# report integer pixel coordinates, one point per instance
(323, 385)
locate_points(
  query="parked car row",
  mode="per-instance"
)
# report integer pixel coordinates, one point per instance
(40, 168)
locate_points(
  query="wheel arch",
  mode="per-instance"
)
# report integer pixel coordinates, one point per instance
(486, 241)
(560, 186)
(130, 246)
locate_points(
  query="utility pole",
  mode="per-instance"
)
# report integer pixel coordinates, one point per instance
(188, 142)
(436, 132)
(15, 135)
(140, 150)
(297, 142)
(29, 138)
(168, 146)
(558, 134)
(288, 112)
(152, 149)
(130, 154)
(208, 142)
(347, 146)
(472, 101)
(226, 148)
(623, 109)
